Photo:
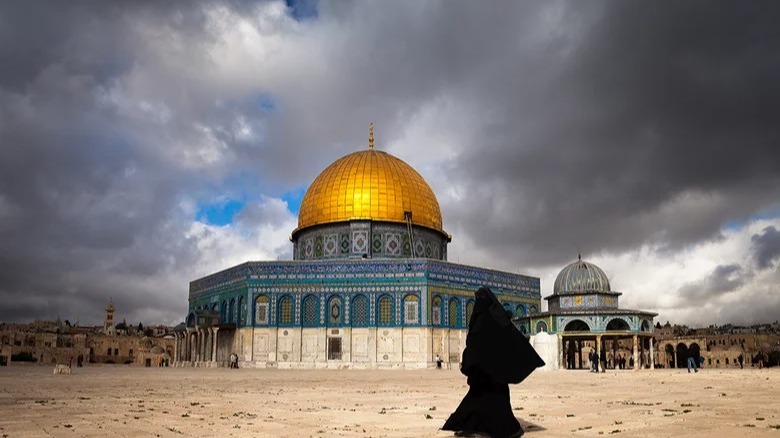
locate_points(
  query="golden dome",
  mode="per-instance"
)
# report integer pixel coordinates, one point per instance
(369, 185)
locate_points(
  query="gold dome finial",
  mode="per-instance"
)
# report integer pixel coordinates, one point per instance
(371, 136)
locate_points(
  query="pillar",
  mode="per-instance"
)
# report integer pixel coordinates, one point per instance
(214, 351)
(598, 350)
(175, 348)
(637, 359)
(652, 354)
(579, 351)
(562, 351)
(202, 355)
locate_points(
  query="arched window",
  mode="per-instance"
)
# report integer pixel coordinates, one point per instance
(541, 327)
(521, 312)
(385, 310)
(232, 310)
(309, 311)
(436, 311)
(241, 311)
(261, 310)
(411, 309)
(469, 310)
(360, 311)
(533, 310)
(285, 311)
(452, 312)
(334, 311)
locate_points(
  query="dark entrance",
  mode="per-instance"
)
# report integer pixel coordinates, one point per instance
(148, 362)
(334, 348)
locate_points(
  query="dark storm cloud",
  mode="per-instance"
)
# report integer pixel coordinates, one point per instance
(602, 126)
(723, 279)
(766, 246)
(656, 126)
(87, 206)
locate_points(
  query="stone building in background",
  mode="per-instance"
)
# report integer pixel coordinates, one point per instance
(52, 342)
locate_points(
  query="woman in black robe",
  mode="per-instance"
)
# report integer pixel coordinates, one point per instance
(496, 355)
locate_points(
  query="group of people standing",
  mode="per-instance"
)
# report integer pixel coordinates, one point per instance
(595, 359)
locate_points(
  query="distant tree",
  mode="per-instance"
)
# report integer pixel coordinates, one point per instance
(149, 332)
(140, 328)
(67, 323)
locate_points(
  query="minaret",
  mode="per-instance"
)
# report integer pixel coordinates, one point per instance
(108, 323)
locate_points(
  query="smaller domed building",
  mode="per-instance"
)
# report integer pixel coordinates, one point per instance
(583, 312)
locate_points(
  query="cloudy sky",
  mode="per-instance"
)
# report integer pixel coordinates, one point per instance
(148, 143)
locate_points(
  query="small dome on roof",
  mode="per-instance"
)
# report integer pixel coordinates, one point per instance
(579, 277)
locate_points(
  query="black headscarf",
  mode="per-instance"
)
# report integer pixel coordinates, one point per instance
(494, 346)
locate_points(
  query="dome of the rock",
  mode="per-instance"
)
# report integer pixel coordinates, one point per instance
(369, 185)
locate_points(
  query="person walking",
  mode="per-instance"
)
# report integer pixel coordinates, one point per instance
(693, 362)
(603, 360)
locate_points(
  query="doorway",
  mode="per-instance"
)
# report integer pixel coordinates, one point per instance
(334, 348)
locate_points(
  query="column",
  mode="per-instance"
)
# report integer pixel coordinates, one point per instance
(652, 354)
(598, 351)
(201, 345)
(637, 359)
(175, 348)
(562, 352)
(214, 351)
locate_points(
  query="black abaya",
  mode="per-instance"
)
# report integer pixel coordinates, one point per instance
(496, 355)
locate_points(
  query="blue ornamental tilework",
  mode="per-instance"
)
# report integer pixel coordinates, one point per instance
(360, 242)
(322, 312)
(331, 245)
(372, 308)
(347, 310)
(393, 244)
(349, 277)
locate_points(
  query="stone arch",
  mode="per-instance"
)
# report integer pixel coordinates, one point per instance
(223, 312)
(359, 309)
(191, 319)
(695, 351)
(576, 325)
(541, 327)
(646, 326)
(669, 352)
(682, 355)
(618, 324)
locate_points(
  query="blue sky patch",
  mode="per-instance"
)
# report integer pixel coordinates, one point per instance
(293, 199)
(302, 10)
(266, 103)
(219, 213)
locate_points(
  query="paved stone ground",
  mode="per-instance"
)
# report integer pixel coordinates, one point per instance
(127, 401)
